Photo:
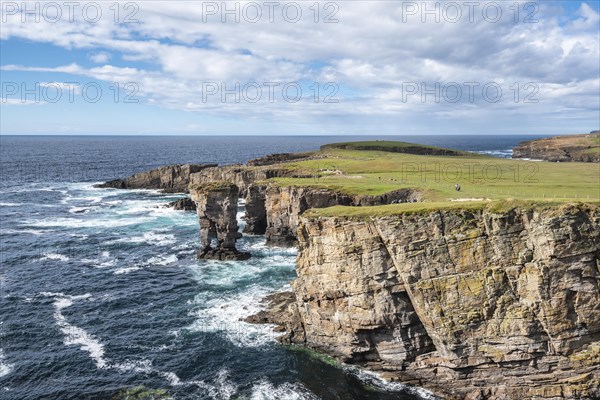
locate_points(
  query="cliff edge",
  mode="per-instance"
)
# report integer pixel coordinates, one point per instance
(578, 148)
(477, 303)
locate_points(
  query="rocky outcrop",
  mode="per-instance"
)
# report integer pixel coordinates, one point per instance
(394, 147)
(217, 209)
(478, 304)
(284, 205)
(279, 158)
(238, 175)
(274, 210)
(579, 148)
(185, 204)
(171, 178)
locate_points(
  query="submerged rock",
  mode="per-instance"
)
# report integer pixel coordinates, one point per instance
(185, 204)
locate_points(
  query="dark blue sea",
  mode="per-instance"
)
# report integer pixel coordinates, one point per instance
(100, 290)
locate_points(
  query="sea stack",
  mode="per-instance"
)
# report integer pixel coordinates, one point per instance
(216, 204)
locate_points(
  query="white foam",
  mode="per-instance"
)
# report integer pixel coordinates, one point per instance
(35, 232)
(5, 368)
(265, 390)
(142, 366)
(11, 204)
(152, 237)
(82, 210)
(506, 153)
(376, 380)
(162, 260)
(222, 388)
(126, 270)
(73, 335)
(79, 236)
(91, 223)
(103, 261)
(225, 314)
(55, 256)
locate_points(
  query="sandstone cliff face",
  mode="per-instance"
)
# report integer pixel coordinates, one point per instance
(239, 175)
(473, 304)
(170, 178)
(285, 205)
(216, 205)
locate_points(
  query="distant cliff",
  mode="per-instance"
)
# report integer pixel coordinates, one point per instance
(579, 148)
(170, 178)
(473, 304)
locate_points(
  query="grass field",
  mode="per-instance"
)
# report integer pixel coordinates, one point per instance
(360, 172)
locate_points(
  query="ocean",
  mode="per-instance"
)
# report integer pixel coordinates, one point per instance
(100, 290)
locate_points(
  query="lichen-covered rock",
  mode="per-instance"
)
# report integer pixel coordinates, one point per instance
(350, 298)
(216, 205)
(170, 178)
(239, 175)
(284, 205)
(472, 304)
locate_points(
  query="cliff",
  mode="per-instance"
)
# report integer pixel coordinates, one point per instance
(170, 178)
(274, 210)
(490, 299)
(285, 204)
(216, 205)
(395, 147)
(580, 148)
(474, 304)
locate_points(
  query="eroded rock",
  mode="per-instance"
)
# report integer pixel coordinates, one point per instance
(216, 205)
(170, 178)
(185, 204)
(471, 304)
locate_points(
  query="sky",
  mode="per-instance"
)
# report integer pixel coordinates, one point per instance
(299, 67)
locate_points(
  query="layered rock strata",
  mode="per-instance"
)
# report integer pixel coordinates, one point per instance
(285, 204)
(170, 178)
(216, 205)
(475, 304)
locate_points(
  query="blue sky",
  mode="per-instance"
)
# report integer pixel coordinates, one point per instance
(375, 67)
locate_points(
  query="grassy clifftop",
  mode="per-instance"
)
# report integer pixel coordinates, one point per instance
(350, 169)
(394, 147)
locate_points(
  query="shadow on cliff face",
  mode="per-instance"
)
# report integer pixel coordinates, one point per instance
(337, 382)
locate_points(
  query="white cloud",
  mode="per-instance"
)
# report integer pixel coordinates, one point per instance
(100, 57)
(371, 52)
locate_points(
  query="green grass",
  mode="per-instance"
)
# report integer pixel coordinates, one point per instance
(357, 172)
(392, 146)
(215, 186)
(362, 213)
